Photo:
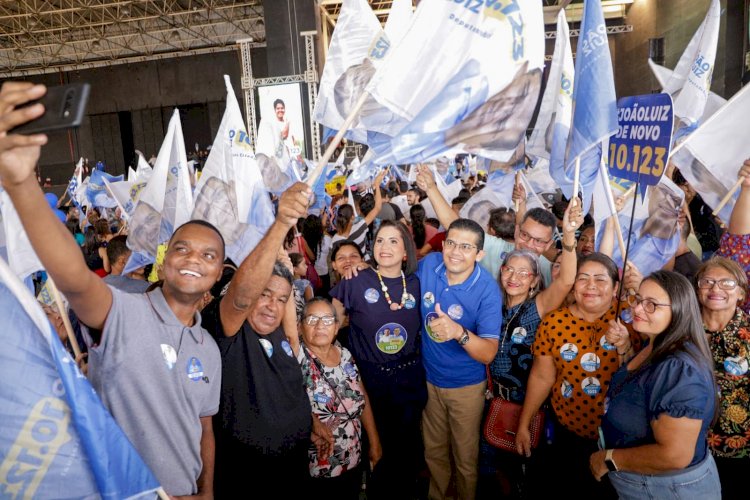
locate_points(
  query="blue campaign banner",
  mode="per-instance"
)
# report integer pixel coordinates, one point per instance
(639, 150)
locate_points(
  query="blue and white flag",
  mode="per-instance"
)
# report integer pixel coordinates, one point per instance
(57, 439)
(479, 74)
(594, 105)
(96, 192)
(166, 201)
(74, 184)
(690, 83)
(230, 193)
(357, 44)
(712, 170)
(143, 171)
(15, 245)
(399, 19)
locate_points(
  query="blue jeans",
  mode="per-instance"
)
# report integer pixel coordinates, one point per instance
(700, 481)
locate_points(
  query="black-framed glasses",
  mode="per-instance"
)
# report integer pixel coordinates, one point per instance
(464, 247)
(521, 273)
(724, 284)
(648, 305)
(523, 235)
(313, 320)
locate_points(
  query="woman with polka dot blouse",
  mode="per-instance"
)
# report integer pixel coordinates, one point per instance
(573, 363)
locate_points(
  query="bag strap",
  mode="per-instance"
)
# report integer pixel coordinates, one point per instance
(319, 369)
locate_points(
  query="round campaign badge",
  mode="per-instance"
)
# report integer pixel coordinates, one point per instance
(626, 315)
(606, 345)
(194, 369)
(372, 295)
(518, 335)
(410, 302)
(267, 346)
(590, 362)
(569, 351)
(170, 355)
(736, 366)
(390, 338)
(287, 348)
(591, 386)
(429, 299)
(456, 312)
(566, 389)
(350, 370)
(428, 318)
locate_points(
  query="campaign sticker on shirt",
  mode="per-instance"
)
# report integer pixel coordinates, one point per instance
(390, 338)
(591, 386)
(287, 348)
(590, 362)
(427, 319)
(456, 312)
(267, 346)
(194, 369)
(569, 351)
(322, 398)
(736, 366)
(410, 302)
(372, 295)
(350, 371)
(606, 345)
(170, 355)
(429, 299)
(566, 389)
(518, 335)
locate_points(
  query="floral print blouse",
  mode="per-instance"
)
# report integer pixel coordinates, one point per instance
(730, 347)
(338, 409)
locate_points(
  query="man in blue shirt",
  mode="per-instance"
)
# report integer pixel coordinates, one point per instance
(461, 321)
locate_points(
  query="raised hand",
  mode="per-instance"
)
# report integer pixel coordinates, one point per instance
(573, 217)
(19, 153)
(293, 204)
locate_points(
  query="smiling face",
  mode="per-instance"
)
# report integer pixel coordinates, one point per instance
(268, 310)
(346, 257)
(652, 323)
(280, 109)
(194, 260)
(715, 299)
(586, 241)
(517, 277)
(389, 250)
(533, 236)
(319, 335)
(459, 262)
(594, 289)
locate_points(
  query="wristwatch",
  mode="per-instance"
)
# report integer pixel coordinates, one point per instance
(609, 461)
(464, 338)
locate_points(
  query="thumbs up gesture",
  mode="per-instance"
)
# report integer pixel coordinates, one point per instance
(444, 327)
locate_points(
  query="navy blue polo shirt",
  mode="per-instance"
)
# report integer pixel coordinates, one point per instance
(475, 304)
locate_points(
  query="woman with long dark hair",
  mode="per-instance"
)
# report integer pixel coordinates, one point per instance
(661, 403)
(421, 231)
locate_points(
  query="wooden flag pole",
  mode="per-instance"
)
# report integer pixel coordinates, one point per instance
(318, 170)
(611, 203)
(517, 203)
(576, 178)
(64, 315)
(728, 196)
(162, 494)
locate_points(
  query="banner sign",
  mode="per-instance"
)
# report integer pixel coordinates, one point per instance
(639, 150)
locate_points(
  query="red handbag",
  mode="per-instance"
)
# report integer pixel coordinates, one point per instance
(501, 423)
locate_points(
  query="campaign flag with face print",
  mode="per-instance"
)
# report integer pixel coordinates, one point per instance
(57, 439)
(96, 192)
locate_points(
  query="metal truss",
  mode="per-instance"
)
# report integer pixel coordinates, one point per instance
(42, 36)
(611, 30)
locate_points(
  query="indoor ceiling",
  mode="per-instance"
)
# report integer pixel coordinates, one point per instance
(43, 36)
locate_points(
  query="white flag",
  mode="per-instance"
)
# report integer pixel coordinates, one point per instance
(20, 255)
(399, 19)
(690, 82)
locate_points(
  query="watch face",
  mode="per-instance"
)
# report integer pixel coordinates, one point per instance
(610, 466)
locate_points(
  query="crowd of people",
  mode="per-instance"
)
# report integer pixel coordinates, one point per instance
(353, 348)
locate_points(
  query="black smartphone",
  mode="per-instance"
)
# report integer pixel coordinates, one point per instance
(64, 105)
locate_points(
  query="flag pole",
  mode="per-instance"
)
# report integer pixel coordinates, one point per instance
(313, 177)
(162, 494)
(538, 199)
(64, 315)
(728, 196)
(611, 203)
(576, 178)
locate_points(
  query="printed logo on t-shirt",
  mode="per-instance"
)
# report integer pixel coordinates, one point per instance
(429, 299)
(569, 351)
(518, 335)
(410, 302)
(322, 398)
(194, 369)
(606, 345)
(372, 295)
(170, 355)
(590, 362)
(566, 389)
(287, 348)
(591, 386)
(736, 366)
(390, 338)
(350, 370)
(456, 312)
(430, 316)
(267, 346)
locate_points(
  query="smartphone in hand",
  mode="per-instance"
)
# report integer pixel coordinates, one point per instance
(64, 108)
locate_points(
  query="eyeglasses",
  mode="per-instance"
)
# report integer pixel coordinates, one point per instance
(521, 273)
(724, 284)
(464, 247)
(523, 235)
(314, 320)
(648, 305)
